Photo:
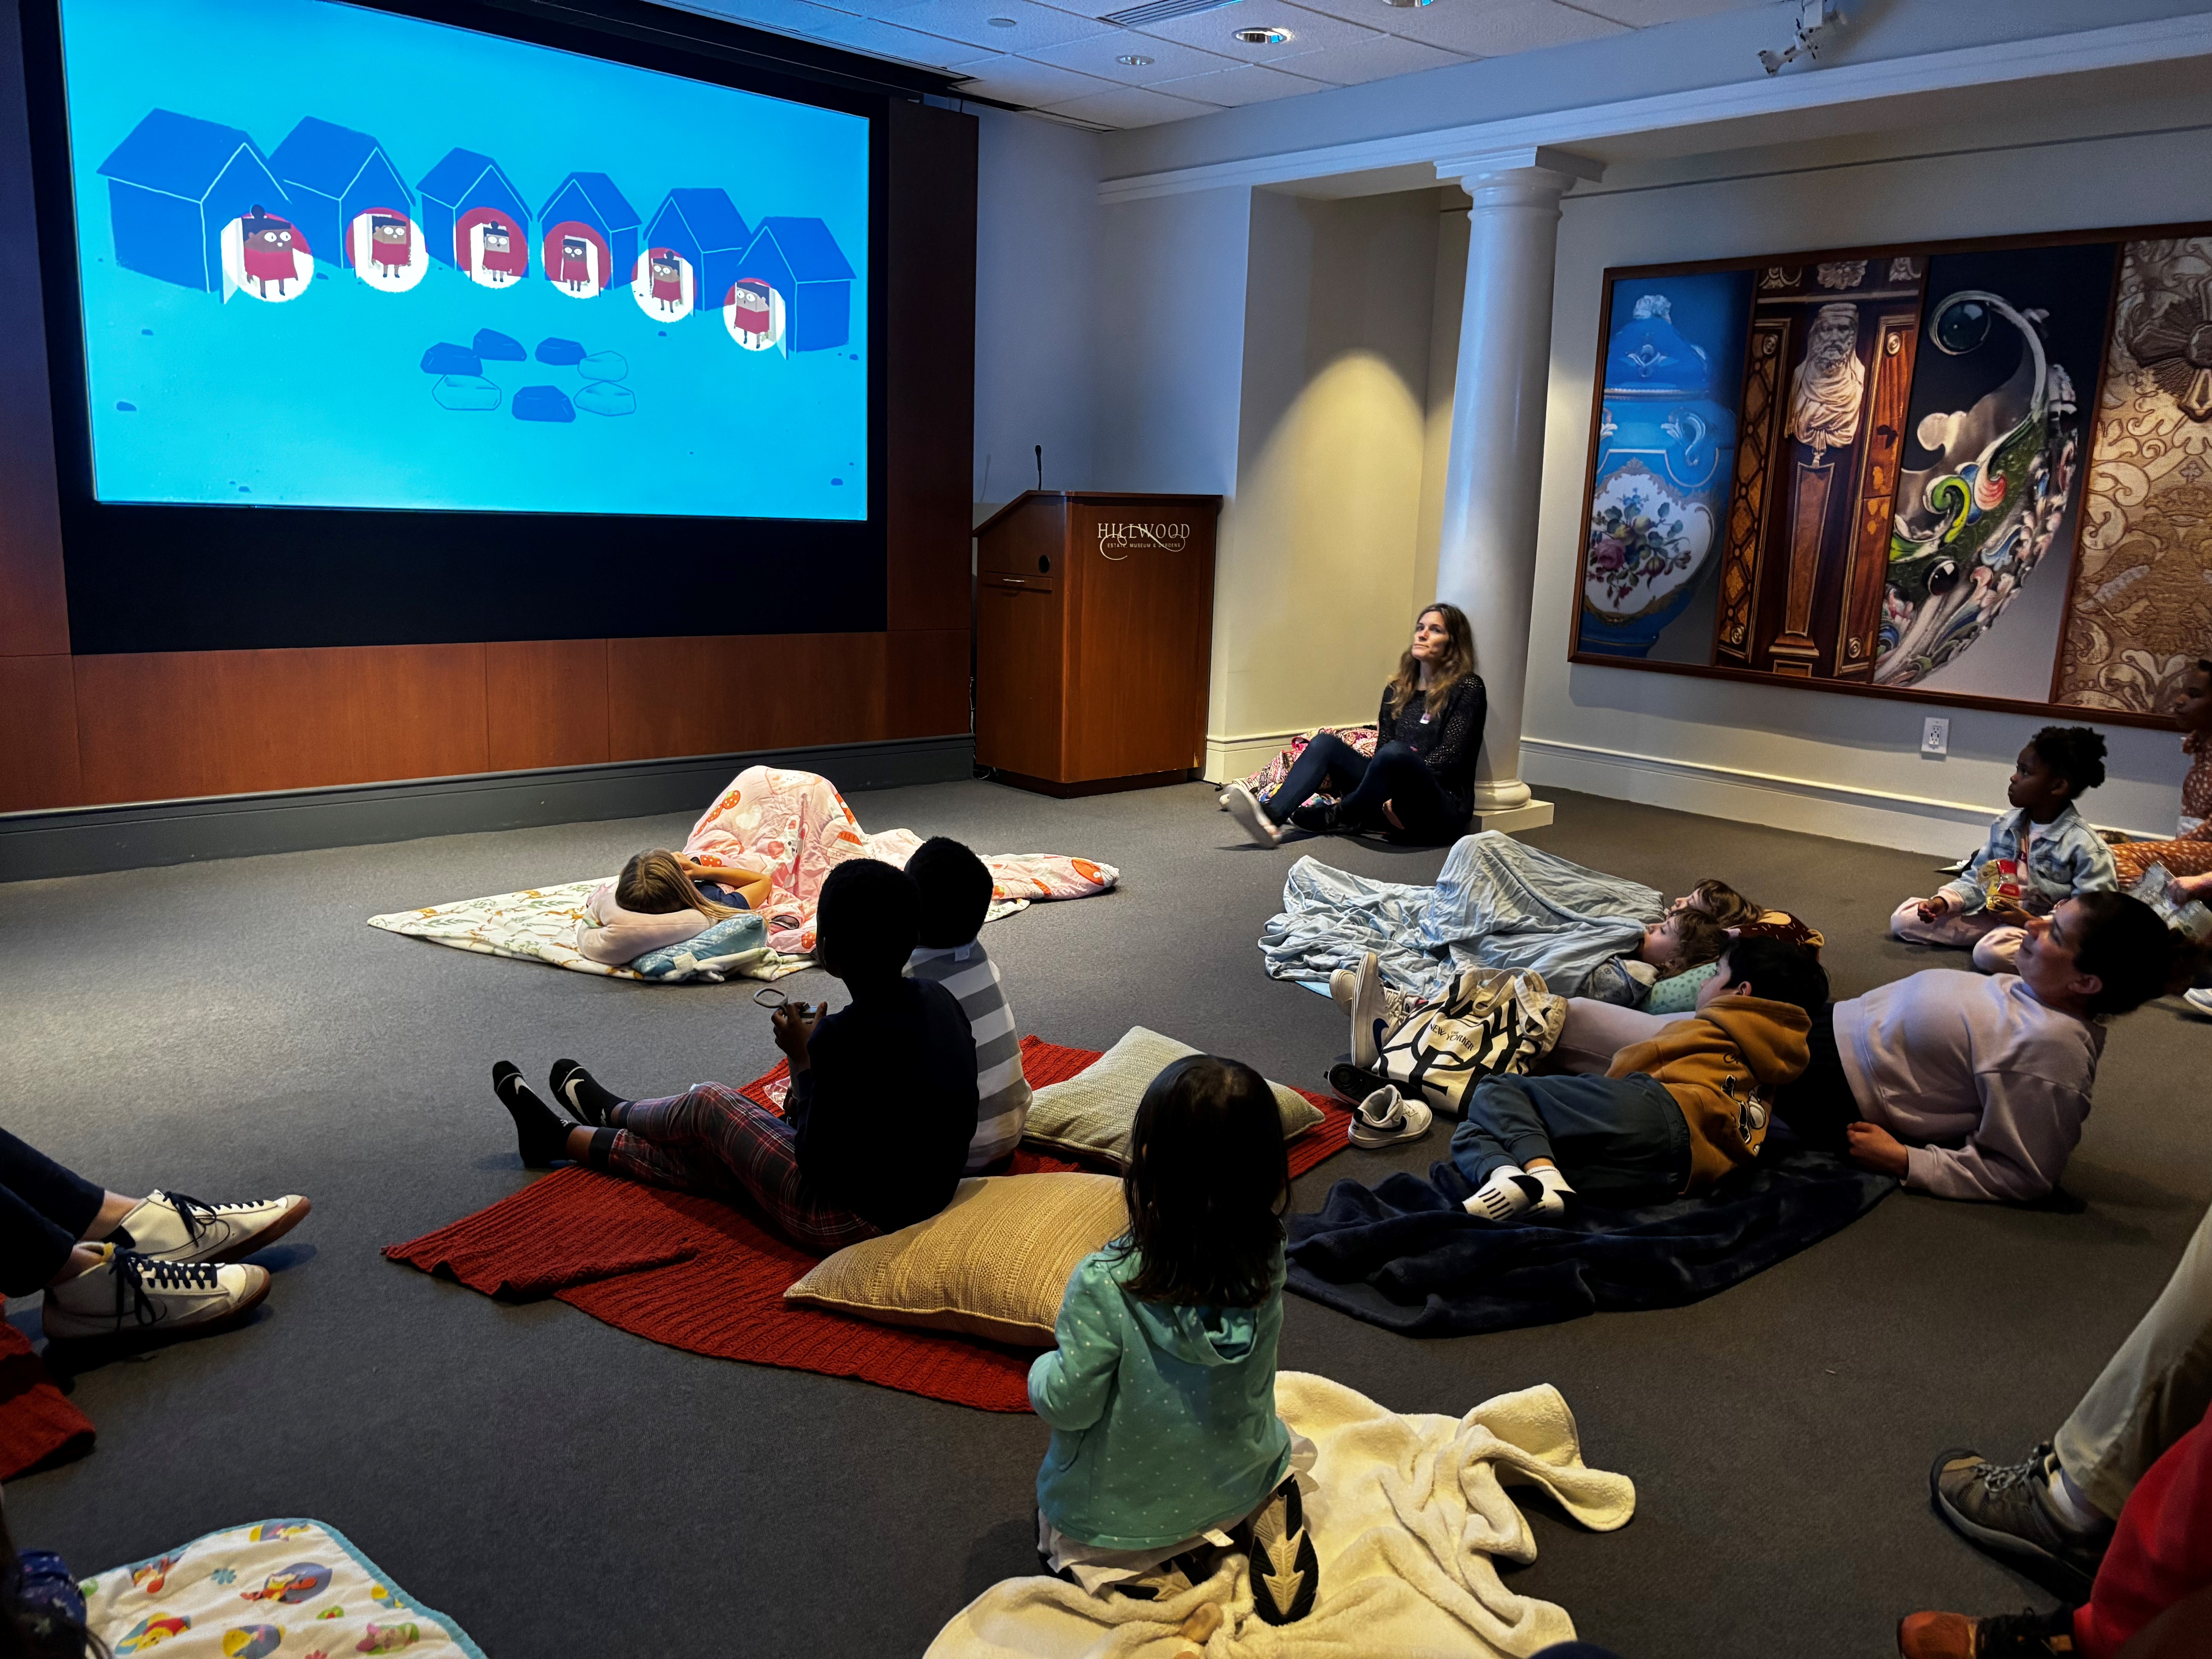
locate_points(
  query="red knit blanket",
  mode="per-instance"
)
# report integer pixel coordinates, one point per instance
(700, 1274)
(35, 1422)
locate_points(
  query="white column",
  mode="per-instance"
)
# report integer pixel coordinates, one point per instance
(1493, 469)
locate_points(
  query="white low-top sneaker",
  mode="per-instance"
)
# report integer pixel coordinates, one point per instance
(175, 1227)
(2200, 998)
(1244, 806)
(1385, 1118)
(130, 1294)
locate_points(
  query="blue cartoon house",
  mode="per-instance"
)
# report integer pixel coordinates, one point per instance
(333, 175)
(590, 199)
(173, 185)
(465, 190)
(802, 259)
(705, 226)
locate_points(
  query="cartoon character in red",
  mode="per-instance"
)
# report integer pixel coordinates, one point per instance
(391, 244)
(754, 312)
(503, 259)
(269, 244)
(573, 266)
(667, 279)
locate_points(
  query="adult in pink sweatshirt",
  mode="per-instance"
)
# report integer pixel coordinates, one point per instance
(1958, 1083)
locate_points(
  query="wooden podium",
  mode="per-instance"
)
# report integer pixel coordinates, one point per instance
(1094, 630)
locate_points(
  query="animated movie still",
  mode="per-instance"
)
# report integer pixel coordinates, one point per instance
(374, 262)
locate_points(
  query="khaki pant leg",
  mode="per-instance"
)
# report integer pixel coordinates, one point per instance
(2152, 1391)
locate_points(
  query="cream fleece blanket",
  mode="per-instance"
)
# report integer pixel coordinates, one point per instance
(1412, 1511)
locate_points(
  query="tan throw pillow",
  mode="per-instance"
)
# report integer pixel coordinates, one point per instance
(1092, 1110)
(993, 1263)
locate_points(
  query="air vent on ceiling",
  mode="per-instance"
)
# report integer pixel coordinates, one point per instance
(1160, 11)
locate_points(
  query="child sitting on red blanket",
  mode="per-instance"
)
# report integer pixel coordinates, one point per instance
(881, 1109)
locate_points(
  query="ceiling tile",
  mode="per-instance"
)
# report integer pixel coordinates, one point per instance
(842, 29)
(1131, 107)
(1369, 14)
(1487, 29)
(1643, 13)
(1374, 60)
(1171, 60)
(971, 21)
(1017, 81)
(1247, 83)
(1216, 31)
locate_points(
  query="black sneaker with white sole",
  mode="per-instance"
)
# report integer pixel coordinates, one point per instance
(1286, 1572)
(131, 1296)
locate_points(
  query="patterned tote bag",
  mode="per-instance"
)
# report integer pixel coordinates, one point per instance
(1492, 1020)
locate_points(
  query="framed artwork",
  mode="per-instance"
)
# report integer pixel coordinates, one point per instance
(1970, 472)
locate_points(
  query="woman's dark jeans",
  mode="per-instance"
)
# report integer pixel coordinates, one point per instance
(1395, 773)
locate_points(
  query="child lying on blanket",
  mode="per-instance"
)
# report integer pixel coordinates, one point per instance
(1957, 1084)
(1670, 1116)
(955, 890)
(656, 902)
(881, 1109)
(2040, 852)
(1161, 1392)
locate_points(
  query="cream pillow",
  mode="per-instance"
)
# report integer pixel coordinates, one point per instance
(991, 1263)
(1092, 1110)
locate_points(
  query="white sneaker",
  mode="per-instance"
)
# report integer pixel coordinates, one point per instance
(1244, 806)
(1385, 1118)
(128, 1294)
(1340, 983)
(175, 1227)
(1377, 1010)
(2200, 998)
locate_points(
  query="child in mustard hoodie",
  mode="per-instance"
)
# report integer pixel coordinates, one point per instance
(1673, 1115)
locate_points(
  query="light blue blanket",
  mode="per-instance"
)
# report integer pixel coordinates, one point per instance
(1497, 903)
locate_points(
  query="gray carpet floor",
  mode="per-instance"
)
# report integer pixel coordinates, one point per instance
(233, 1029)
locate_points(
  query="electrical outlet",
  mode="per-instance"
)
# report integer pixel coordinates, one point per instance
(1935, 736)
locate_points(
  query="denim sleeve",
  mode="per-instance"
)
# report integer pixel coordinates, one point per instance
(1968, 884)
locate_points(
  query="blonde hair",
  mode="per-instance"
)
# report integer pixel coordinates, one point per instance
(652, 883)
(1458, 663)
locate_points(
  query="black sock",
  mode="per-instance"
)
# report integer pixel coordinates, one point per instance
(541, 1135)
(581, 1093)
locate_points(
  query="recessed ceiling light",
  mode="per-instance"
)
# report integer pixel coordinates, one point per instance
(1000, 23)
(1262, 37)
(1134, 59)
(1407, 5)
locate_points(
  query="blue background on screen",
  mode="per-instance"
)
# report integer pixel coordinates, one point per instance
(324, 401)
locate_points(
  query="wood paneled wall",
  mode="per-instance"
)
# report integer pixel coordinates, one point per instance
(86, 731)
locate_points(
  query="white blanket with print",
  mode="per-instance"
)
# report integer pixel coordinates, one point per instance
(1412, 1516)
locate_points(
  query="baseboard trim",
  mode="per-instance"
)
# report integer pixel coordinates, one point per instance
(97, 840)
(1841, 812)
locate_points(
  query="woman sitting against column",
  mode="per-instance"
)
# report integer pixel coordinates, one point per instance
(1419, 787)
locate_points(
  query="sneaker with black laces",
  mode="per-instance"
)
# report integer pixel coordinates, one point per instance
(135, 1297)
(2007, 1636)
(1387, 1118)
(2006, 1509)
(1284, 1570)
(177, 1227)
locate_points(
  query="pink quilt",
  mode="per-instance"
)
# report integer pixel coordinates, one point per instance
(796, 827)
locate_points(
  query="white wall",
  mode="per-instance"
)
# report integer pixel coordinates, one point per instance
(1036, 302)
(1314, 582)
(1829, 763)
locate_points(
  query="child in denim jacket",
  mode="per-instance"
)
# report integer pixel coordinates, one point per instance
(2040, 853)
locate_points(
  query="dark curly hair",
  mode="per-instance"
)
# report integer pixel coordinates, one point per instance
(1205, 1186)
(1777, 971)
(2075, 753)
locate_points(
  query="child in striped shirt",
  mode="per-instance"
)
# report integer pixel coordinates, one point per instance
(955, 895)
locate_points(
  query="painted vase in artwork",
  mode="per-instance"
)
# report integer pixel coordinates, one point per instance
(1665, 459)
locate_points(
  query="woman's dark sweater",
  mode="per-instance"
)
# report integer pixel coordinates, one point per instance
(1449, 741)
(882, 1117)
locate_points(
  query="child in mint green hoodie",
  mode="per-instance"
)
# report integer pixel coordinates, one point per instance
(1161, 1394)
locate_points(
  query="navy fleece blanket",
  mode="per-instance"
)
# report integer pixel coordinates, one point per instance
(1403, 1254)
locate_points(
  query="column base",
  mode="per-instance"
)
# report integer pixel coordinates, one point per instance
(1529, 815)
